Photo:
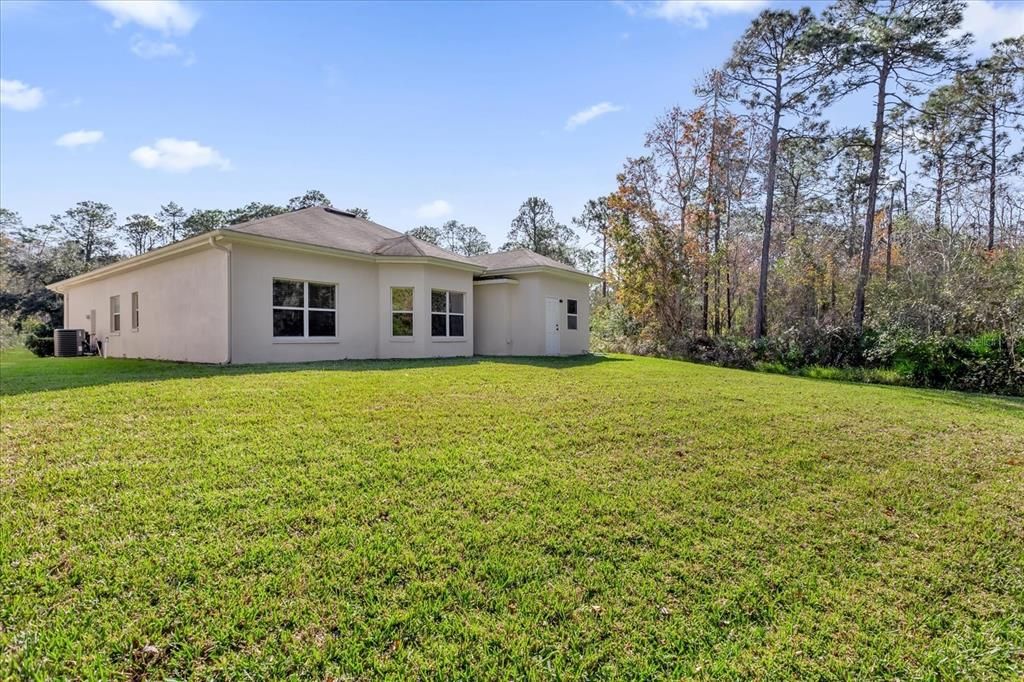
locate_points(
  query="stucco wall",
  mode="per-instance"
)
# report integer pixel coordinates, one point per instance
(423, 279)
(363, 317)
(522, 314)
(182, 309)
(184, 305)
(253, 270)
(491, 308)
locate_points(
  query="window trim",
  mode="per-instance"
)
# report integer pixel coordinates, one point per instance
(115, 317)
(391, 316)
(447, 316)
(569, 315)
(135, 311)
(306, 309)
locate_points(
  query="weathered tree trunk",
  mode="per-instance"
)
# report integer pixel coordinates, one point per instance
(760, 315)
(832, 288)
(728, 298)
(888, 236)
(869, 219)
(992, 182)
(728, 266)
(940, 178)
(604, 261)
(793, 211)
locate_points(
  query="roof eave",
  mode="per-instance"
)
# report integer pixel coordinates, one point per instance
(431, 260)
(137, 261)
(547, 270)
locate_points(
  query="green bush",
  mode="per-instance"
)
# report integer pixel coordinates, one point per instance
(986, 363)
(39, 339)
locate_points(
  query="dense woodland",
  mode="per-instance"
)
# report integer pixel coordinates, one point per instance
(895, 244)
(749, 230)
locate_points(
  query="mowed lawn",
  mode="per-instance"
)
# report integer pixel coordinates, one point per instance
(600, 517)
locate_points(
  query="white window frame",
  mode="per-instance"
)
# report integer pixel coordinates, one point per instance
(569, 316)
(135, 311)
(391, 317)
(305, 309)
(115, 315)
(448, 314)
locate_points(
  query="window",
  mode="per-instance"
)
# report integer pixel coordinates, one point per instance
(572, 314)
(135, 310)
(447, 314)
(401, 311)
(115, 313)
(304, 309)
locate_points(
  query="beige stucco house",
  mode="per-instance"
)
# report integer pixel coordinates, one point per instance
(322, 284)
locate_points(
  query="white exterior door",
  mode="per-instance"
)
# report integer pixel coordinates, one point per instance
(551, 320)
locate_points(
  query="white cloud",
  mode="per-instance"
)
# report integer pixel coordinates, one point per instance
(151, 49)
(19, 96)
(588, 115)
(438, 208)
(693, 13)
(168, 16)
(991, 22)
(178, 156)
(79, 138)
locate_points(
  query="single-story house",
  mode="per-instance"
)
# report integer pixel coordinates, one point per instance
(323, 284)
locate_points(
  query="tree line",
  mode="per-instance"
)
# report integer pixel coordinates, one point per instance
(750, 216)
(87, 235)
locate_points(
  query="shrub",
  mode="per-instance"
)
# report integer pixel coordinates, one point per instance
(987, 363)
(39, 339)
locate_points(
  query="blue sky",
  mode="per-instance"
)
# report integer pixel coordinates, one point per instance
(419, 112)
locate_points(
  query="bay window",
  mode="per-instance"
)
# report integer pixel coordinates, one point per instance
(401, 311)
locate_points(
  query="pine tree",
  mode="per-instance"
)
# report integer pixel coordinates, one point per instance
(896, 46)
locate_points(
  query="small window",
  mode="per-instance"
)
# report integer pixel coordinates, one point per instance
(401, 311)
(115, 313)
(447, 313)
(304, 309)
(135, 310)
(572, 314)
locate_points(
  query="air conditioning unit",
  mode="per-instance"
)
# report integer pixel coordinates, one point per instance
(68, 343)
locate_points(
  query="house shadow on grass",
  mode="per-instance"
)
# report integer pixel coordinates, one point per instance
(24, 373)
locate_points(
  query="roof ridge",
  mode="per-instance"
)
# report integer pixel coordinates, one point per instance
(270, 217)
(401, 237)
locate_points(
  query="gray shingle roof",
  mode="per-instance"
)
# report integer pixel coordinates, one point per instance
(520, 258)
(320, 226)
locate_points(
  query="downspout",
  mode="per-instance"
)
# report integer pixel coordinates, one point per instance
(227, 250)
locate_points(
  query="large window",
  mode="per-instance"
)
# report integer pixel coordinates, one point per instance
(135, 310)
(401, 311)
(115, 313)
(571, 313)
(447, 313)
(304, 309)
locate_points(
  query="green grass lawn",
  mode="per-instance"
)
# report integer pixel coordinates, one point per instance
(567, 518)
